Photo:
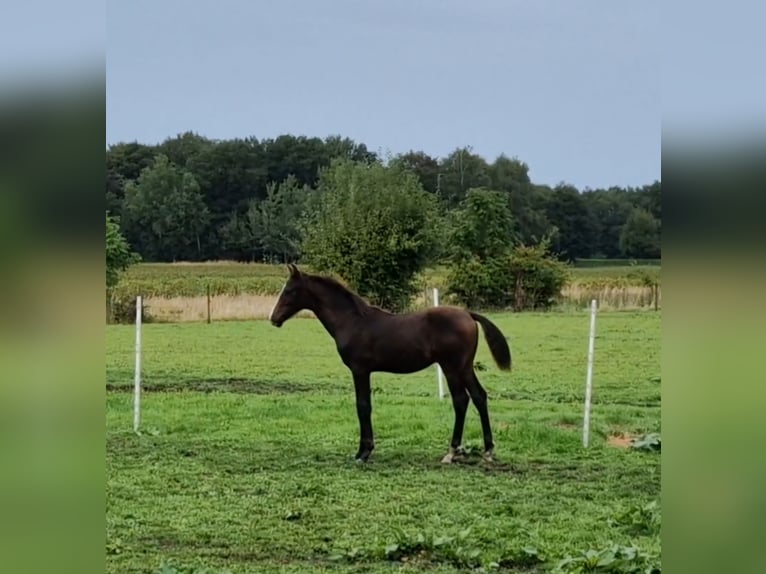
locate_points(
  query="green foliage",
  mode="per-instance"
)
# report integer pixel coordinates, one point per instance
(574, 223)
(425, 167)
(482, 239)
(478, 284)
(461, 171)
(270, 228)
(455, 550)
(175, 567)
(118, 253)
(640, 236)
(483, 226)
(614, 559)
(488, 270)
(374, 226)
(536, 276)
(235, 175)
(164, 214)
(640, 519)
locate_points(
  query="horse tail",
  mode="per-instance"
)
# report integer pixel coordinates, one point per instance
(496, 341)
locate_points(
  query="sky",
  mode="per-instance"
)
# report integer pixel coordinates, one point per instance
(572, 88)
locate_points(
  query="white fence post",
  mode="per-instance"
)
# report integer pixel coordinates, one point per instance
(589, 377)
(439, 373)
(137, 378)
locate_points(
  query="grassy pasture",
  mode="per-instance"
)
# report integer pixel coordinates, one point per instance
(245, 460)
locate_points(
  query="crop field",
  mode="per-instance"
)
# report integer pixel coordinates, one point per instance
(176, 292)
(244, 462)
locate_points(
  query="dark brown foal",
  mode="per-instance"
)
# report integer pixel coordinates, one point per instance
(370, 339)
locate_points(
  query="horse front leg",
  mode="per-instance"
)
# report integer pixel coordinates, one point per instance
(364, 412)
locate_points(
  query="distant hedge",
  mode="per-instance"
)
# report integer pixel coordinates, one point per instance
(615, 262)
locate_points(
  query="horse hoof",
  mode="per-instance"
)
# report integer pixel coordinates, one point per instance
(488, 456)
(452, 454)
(362, 457)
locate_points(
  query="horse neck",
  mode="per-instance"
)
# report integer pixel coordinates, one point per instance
(333, 312)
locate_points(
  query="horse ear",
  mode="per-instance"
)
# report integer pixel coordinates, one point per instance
(294, 272)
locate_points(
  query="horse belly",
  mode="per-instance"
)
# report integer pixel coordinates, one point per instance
(401, 356)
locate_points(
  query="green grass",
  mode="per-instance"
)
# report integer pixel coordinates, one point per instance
(245, 459)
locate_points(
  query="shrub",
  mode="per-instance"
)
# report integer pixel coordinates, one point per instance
(118, 253)
(536, 276)
(122, 310)
(488, 271)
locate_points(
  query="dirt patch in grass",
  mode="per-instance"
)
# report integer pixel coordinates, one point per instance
(232, 385)
(621, 440)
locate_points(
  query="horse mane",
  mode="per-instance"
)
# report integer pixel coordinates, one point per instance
(359, 305)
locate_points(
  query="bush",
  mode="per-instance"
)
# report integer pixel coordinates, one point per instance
(118, 253)
(488, 271)
(480, 284)
(527, 278)
(537, 277)
(122, 310)
(375, 227)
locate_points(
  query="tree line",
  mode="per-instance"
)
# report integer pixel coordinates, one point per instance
(191, 198)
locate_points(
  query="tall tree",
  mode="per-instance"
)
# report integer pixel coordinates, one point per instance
(269, 230)
(336, 147)
(373, 225)
(184, 148)
(640, 236)
(482, 241)
(164, 214)
(610, 209)
(527, 201)
(124, 163)
(425, 167)
(574, 225)
(230, 174)
(460, 171)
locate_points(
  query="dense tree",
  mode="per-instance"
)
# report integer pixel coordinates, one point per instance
(640, 236)
(237, 178)
(527, 201)
(425, 167)
(269, 230)
(460, 171)
(651, 199)
(336, 147)
(164, 214)
(183, 149)
(124, 163)
(574, 225)
(609, 209)
(374, 226)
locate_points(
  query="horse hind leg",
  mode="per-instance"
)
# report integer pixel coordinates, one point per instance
(479, 397)
(460, 400)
